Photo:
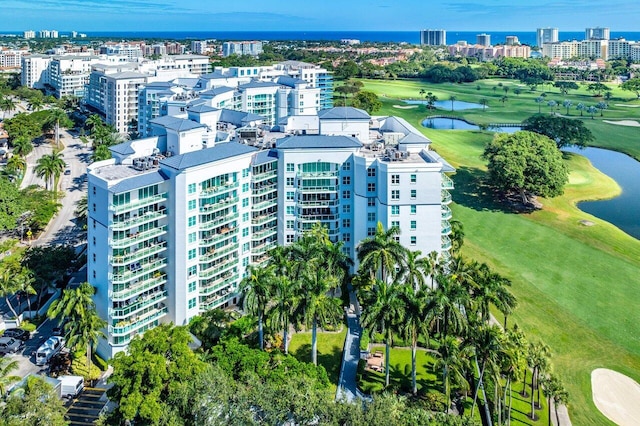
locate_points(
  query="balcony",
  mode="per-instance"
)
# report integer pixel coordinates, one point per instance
(264, 247)
(312, 218)
(218, 221)
(136, 204)
(121, 260)
(214, 302)
(446, 197)
(445, 213)
(309, 175)
(138, 220)
(260, 259)
(138, 237)
(263, 233)
(142, 321)
(264, 176)
(218, 268)
(218, 284)
(218, 189)
(318, 203)
(265, 204)
(222, 204)
(139, 287)
(447, 183)
(215, 253)
(266, 218)
(445, 227)
(445, 243)
(319, 189)
(265, 189)
(137, 274)
(221, 236)
(143, 302)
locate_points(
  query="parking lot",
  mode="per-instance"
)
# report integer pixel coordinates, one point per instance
(25, 358)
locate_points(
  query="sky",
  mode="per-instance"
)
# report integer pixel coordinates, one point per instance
(324, 15)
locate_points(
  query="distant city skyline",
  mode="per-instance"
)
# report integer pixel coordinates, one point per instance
(334, 15)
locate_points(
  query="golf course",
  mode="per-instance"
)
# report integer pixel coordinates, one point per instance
(574, 275)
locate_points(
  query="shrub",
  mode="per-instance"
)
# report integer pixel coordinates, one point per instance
(99, 362)
(27, 326)
(364, 341)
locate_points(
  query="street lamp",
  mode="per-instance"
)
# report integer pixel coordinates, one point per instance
(22, 219)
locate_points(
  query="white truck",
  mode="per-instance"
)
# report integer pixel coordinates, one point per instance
(70, 386)
(52, 346)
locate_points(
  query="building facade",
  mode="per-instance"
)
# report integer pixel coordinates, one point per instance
(175, 219)
(433, 37)
(597, 33)
(546, 35)
(483, 40)
(252, 48)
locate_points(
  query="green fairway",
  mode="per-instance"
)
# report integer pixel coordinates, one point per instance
(574, 283)
(330, 346)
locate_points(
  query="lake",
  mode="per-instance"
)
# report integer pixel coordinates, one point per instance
(457, 105)
(440, 123)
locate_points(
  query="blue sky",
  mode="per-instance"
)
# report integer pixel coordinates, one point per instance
(279, 15)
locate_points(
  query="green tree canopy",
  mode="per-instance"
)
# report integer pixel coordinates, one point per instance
(632, 85)
(526, 162)
(564, 131)
(367, 101)
(34, 404)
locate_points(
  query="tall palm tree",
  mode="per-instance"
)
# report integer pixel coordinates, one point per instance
(49, 167)
(538, 361)
(539, 101)
(94, 121)
(74, 303)
(415, 323)
(86, 330)
(453, 99)
(256, 289)
(16, 165)
(57, 117)
(592, 111)
(325, 310)
(567, 104)
(8, 286)
(416, 269)
(7, 104)
(382, 310)
(280, 314)
(451, 359)
(6, 367)
(580, 107)
(457, 236)
(447, 301)
(490, 288)
(484, 102)
(101, 153)
(24, 284)
(382, 254)
(36, 103)
(22, 146)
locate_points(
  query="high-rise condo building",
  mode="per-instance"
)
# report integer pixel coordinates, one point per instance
(433, 37)
(546, 35)
(597, 33)
(483, 39)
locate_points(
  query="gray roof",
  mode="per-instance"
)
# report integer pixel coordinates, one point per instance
(159, 84)
(265, 156)
(208, 155)
(126, 75)
(238, 118)
(175, 123)
(257, 84)
(317, 141)
(201, 108)
(290, 81)
(343, 113)
(122, 148)
(446, 167)
(138, 181)
(216, 91)
(214, 75)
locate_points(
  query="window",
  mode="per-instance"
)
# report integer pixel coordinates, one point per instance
(414, 225)
(371, 172)
(192, 188)
(245, 173)
(346, 208)
(346, 223)
(395, 224)
(346, 195)
(192, 271)
(191, 205)
(290, 181)
(371, 187)
(371, 217)
(94, 257)
(192, 287)
(192, 221)
(192, 303)
(245, 187)
(94, 207)
(192, 254)
(346, 180)
(371, 201)
(414, 178)
(245, 202)
(289, 238)
(414, 240)
(346, 166)
(371, 232)
(413, 194)
(245, 217)
(245, 232)
(395, 210)
(245, 247)
(395, 194)
(346, 237)
(395, 179)
(290, 195)
(414, 208)
(245, 262)
(291, 210)
(290, 224)
(192, 237)
(290, 167)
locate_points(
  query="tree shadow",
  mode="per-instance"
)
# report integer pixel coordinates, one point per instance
(473, 190)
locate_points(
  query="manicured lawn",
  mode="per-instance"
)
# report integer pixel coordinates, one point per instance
(575, 284)
(330, 346)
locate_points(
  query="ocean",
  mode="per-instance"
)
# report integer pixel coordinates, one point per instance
(412, 37)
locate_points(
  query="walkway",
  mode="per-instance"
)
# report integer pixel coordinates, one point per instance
(347, 384)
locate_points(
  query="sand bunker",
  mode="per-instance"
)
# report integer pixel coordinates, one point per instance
(631, 123)
(628, 106)
(406, 106)
(616, 396)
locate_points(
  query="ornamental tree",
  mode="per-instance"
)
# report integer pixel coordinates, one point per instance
(563, 131)
(527, 163)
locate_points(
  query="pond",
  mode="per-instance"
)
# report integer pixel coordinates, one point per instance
(621, 211)
(457, 105)
(441, 123)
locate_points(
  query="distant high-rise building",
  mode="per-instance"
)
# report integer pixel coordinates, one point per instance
(433, 37)
(74, 34)
(253, 48)
(546, 35)
(48, 34)
(29, 34)
(596, 33)
(512, 41)
(483, 39)
(199, 47)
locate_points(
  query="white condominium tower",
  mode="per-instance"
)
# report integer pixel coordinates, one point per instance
(175, 218)
(433, 37)
(546, 35)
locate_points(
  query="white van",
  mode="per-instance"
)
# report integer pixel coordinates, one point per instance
(71, 386)
(52, 346)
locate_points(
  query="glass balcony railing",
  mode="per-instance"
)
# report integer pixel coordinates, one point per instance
(263, 233)
(142, 321)
(263, 176)
(265, 189)
(447, 183)
(445, 212)
(318, 203)
(139, 203)
(219, 237)
(445, 243)
(139, 254)
(265, 204)
(445, 227)
(218, 221)
(446, 197)
(264, 247)
(218, 189)
(138, 237)
(139, 220)
(329, 174)
(266, 218)
(215, 253)
(222, 204)
(138, 272)
(139, 287)
(218, 284)
(218, 268)
(142, 303)
(214, 302)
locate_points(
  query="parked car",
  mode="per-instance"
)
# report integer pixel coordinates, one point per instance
(58, 331)
(9, 345)
(17, 333)
(67, 172)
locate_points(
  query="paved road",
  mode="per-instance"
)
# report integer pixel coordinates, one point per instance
(26, 358)
(347, 383)
(30, 178)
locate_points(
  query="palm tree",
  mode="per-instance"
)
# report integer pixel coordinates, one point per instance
(382, 309)
(484, 102)
(505, 89)
(431, 100)
(325, 310)
(416, 269)
(602, 106)
(101, 153)
(539, 101)
(538, 360)
(551, 104)
(8, 286)
(503, 99)
(86, 330)
(457, 236)
(24, 284)
(7, 104)
(490, 288)
(36, 103)
(451, 359)
(74, 303)
(16, 165)
(415, 323)
(57, 116)
(22, 146)
(592, 111)
(580, 107)
(49, 167)
(256, 289)
(6, 367)
(382, 254)
(447, 301)
(94, 121)
(81, 210)
(285, 301)
(453, 99)
(567, 104)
